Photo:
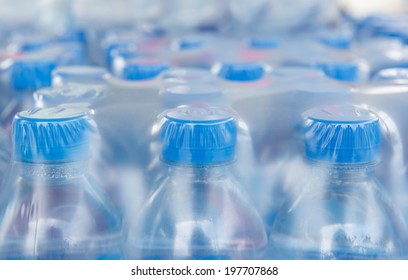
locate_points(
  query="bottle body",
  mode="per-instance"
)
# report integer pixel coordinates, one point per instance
(342, 213)
(197, 213)
(54, 211)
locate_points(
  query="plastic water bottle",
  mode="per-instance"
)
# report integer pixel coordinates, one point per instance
(347, 71)
(53, 209)
(81, 74)
(138, 69)
(240, 80)
(187, 75)
(198, 210)
(277, 145)
(22, 76)
(266, 16)
(391, 75)
(387, 101)
(340, 211)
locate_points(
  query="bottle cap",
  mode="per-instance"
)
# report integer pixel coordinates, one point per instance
(52, 135)
(31, 74)
(142, 68)
(341, 70)
(240, 71)
(342, 134)
(263, 43)
(199, 135)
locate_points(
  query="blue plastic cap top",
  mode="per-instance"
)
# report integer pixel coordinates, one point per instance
(187, 43)
(31, 74)
(263, 43)
(336, 40)
(240, 71)
(191, 94)
(79, 74)
(342, 134)
(143, 68)
(51, 135)
(199, 135)
(343, 71)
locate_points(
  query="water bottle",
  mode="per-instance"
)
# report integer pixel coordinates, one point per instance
(277, 145)
(339, 211)
(387, 100)
(347, 71)
(381, 53)
(120, 162)
(266, 16)
(69, 215)
(195, 50)
(80, 74)
(142, 69)
(391, 75)
(187, 75)
(22, 76)
(198, 210)
(241, 80)
(260, 48)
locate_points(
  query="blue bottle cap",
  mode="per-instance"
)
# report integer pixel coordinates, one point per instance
(341, 70)
(263, 43)
(142, 68)
(79, 74)
(117, 48)
(342, 134)
(187, 43)
(31, 74)
(240, 71)
(199, 135)
(52, 135)
(191, 94)
(336, 39)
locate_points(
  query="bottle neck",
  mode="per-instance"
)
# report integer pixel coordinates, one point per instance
(56, 173)
(200, 173)
(344, 172)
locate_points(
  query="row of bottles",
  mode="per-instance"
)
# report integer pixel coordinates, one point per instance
(122, 143)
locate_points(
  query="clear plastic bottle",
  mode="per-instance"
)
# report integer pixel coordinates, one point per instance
(340, 211)
(241, 80)
(81, 74)
(198, 210)
(22, 76)
(52, 208)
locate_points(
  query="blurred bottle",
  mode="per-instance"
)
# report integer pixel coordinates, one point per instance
(70, 216)
(187, 76)
(22, 75)
(341, 211)
(266, 16)
(88, 75)
(242, 79)
(391, 76)
(198, 210)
